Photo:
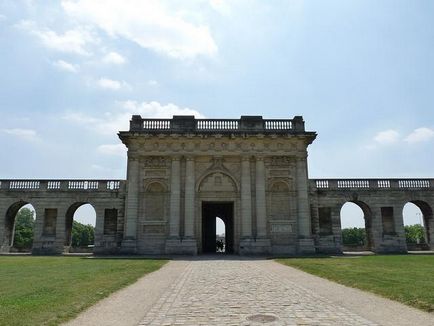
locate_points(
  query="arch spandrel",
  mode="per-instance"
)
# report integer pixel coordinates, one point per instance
(217, 182)
(279, 186)
(155, 187)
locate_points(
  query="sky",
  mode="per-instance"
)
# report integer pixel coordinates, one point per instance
(360, 72)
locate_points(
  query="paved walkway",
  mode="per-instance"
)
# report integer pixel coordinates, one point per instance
(244, 292)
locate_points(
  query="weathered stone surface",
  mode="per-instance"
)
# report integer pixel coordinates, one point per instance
(254, 169)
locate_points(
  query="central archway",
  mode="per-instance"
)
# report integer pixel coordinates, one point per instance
(210, 212)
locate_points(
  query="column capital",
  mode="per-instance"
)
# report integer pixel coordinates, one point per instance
(259, 158)
(245, 158)
(175, 158)
(190, 158)
(133, 155)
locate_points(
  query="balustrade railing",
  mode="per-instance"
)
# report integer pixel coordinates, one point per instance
(156, 124)
(224, 124)
(49, 185)
(336, 184)
(278, 124)
(189, 123)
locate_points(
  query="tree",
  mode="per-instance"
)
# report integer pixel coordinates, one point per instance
(354, 236)
(82, 235)
(414, 233)
(24, 224)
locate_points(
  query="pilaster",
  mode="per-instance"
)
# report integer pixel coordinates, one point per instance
(129, 243)
(189, 198)
(305, 242)
(246, 198)
(175, 197)
(261, 215)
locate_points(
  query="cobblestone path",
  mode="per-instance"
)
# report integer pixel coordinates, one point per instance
(243, 292)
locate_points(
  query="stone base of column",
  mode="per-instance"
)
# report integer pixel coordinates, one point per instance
(181, 247)
(255, 247)
(305, 246)
(129, 247)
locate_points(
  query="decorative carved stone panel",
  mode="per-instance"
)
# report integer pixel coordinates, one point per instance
(281, 161)
(155, 201)
(279, 208)
(277, 228)
(217, 182)
(154, 229)
(156, 161)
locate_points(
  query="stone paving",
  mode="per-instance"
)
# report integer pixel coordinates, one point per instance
(243, 292)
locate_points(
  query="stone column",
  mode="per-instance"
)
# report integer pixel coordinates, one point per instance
(246, 199)
(175, 197)
(131, 205)
(305, 242)
(189, 198)
(261, 218)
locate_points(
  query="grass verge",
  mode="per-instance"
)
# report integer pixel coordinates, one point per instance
(408, 279)
(51, 290)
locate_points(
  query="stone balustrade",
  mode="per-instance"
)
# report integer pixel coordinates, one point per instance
(183, 124)
(360, 184)
(83, 185)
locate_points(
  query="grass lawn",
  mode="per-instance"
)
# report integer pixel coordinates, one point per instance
(405, 278)
(50, 290)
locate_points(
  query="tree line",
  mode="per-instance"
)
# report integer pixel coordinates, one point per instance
(414, 234)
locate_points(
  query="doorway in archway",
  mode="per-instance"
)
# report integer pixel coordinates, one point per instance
(210, 212)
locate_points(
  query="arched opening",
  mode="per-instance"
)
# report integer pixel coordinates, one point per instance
(220, 235)
(356, 226)
(19, 227)
(212, 212)
(80, 228)
(417, 217)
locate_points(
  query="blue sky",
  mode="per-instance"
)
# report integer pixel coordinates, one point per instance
(73, 71)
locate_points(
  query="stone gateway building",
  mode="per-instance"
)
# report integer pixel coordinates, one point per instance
(184, 172)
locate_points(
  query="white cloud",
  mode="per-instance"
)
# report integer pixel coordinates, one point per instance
(387, 137)
(25, 134)
(66, 66)
(420, 135)
(80, 118)
(113, 150)
(111, 84)
(148, 23)
(153, 83)
(112, 122)
(72, 41)
(221, 6)
(113, 58)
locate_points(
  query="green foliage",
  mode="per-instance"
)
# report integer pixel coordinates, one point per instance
(404, 278)
(354, 236)
(82, 235)
(24, 224)
(415, 233)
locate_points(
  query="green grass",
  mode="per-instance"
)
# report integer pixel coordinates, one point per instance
(50, 290)
(405, 278)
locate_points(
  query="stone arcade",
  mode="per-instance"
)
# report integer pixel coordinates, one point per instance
(184, 172)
